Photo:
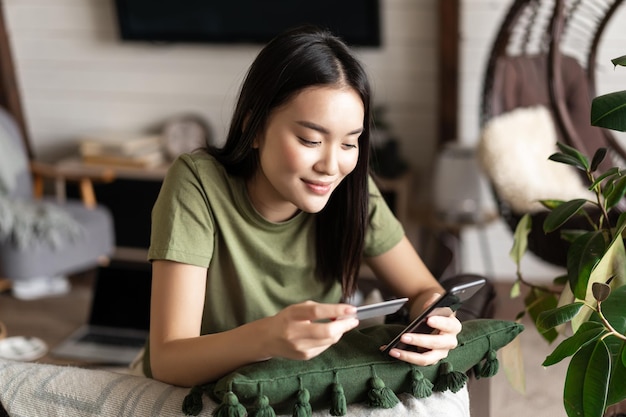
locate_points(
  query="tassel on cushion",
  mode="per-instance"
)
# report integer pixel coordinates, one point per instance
(262, 408)
(420, 386)
(192, 404)
(302, 407)
(230, 407)
(449, 379)
(380, 395)
(338, 399)
(490, 366)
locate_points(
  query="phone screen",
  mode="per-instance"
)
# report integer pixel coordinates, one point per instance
(457, 293)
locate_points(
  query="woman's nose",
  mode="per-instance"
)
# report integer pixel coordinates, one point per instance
(328, 161)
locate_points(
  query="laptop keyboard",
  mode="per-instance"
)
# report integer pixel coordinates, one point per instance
(112, 340)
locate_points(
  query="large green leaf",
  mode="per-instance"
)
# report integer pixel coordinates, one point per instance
(571, 235)
(598, 157)
(582, 257)
(597, 380)
(587, 333)
(609, 111)
(587, 380)
(574, 153)
(557, 217)
(616, 194)
(569, 160)
(537, 301)
(551, 318)
(612, 264)
(617, 387)
(617, 252)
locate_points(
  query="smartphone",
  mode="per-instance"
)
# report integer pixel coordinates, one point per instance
(457, 291)
(380, 309)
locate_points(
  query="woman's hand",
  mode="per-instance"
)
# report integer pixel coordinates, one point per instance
(436, 344)
(303, 331)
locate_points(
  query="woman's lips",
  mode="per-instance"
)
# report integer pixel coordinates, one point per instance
(317, 187)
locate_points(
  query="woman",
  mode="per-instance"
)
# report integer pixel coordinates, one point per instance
(254, 245)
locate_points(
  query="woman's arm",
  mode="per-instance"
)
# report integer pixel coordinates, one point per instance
(179, 355)
(404, 272)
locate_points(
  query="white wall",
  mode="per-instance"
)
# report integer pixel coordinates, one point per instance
(76, 76)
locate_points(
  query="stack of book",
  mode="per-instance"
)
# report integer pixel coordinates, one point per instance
(124, 150)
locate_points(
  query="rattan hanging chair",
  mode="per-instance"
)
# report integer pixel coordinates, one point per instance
(544, 54)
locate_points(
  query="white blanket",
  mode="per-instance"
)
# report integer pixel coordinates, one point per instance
(513, 151)
(47, 390)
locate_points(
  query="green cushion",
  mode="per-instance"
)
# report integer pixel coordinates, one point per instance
(353, 362)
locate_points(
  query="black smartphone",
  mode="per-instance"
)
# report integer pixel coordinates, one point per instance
(457, 291)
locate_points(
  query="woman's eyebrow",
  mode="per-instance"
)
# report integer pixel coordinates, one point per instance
(321, 129)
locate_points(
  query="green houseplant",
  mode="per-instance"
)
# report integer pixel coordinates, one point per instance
(588, 304)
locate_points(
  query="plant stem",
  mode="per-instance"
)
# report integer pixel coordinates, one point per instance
(530, 285)
(605, 322)
(599, 201)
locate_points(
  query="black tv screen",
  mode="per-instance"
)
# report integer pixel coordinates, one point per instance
(245, 21)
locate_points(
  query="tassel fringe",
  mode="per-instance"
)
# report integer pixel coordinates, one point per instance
(338, 399)
(262, 408)
(230, 407)
(380, 395)
(490, 366)
(192, 404)
(449, 379)
(302, 408)
(420, 386)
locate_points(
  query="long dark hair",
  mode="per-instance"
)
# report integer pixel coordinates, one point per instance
(297, 59)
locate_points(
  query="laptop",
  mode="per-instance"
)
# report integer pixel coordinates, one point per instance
(119, 318)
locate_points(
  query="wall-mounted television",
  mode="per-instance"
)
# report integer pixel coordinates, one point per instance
(245, 21)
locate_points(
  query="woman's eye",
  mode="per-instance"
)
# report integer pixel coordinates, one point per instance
(350, 146)
(308, 142)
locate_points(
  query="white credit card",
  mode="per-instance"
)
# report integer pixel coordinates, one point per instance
(380, 309)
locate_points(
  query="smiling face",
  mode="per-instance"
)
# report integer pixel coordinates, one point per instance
(308, 147)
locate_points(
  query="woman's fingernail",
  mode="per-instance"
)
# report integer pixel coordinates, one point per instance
(394, 353)
(406, 338)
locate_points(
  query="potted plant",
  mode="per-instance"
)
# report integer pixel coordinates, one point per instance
(588, 304)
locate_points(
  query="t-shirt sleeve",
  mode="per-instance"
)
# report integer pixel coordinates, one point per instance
(182, 227)
(385, 230)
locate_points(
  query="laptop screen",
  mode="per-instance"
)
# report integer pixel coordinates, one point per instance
(121, 297)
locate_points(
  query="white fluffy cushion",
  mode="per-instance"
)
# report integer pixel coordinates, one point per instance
(28, 389)
(513, 151)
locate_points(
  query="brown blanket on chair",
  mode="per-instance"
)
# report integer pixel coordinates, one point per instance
(522, 81)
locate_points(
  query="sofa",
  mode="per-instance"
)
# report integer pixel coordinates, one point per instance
(50, 390)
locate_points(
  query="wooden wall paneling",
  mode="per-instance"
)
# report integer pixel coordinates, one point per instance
(448, 71)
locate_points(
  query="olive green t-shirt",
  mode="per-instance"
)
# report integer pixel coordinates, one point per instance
(255, 267)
